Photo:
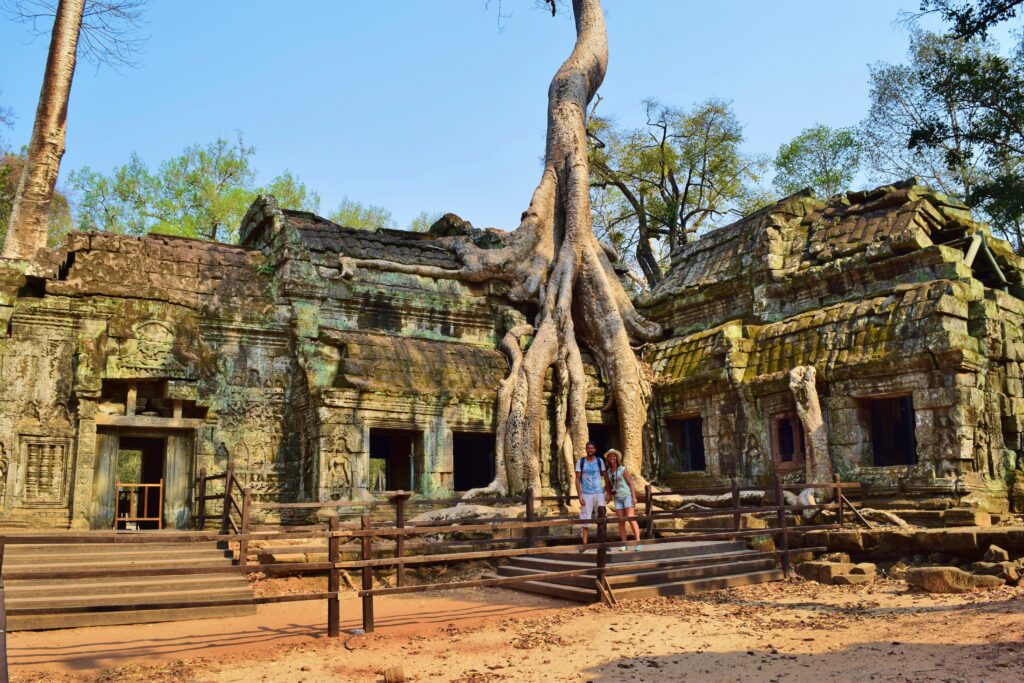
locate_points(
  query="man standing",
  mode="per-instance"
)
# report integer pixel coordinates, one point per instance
(591, 481)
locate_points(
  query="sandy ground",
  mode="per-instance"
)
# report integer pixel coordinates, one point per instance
(785, 631)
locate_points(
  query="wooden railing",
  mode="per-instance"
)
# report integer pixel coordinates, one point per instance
(138, 499)
(331, 537)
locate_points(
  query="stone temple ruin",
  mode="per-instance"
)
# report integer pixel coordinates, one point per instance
(143, 360)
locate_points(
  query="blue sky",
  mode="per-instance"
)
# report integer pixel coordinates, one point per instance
(426, 105)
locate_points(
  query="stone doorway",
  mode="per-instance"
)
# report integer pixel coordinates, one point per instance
(396, 462)
(472, 460)
(144, 456)
(140, 481)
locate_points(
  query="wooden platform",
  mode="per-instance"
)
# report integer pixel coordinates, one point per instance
(118, 592)
(674, 568)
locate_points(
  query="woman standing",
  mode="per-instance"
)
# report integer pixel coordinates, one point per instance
(624, 492)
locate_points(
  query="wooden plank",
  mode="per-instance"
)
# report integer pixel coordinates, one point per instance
(478, 583)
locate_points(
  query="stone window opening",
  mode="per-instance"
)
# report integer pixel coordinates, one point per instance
(788, 446)
(472, 460)
(686, 445)
(890, 422)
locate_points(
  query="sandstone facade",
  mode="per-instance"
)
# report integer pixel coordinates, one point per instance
(153, 358)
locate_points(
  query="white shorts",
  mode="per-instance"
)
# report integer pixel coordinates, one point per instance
(591, 501)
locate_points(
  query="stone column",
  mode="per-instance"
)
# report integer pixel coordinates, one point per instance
(178, 478)
(101, 508)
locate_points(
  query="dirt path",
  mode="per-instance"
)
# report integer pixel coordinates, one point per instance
(784, 632)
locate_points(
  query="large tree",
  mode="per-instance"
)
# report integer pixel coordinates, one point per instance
(971, 18)
(657, 185)
(353, 214)
(821, 158)
(204, 192)
(104, 26)
(553, 262)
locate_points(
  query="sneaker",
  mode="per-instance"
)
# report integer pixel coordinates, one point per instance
(623, 549)
(639, 547)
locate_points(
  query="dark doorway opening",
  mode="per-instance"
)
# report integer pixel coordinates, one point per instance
(140, 476)
(472, 460)
(788, 448)
(604, 437)
(395, 464)
(686, 448)
(892, 430)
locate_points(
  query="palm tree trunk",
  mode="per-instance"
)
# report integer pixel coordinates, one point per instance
(27, 231)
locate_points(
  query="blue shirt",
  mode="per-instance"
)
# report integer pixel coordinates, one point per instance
(591, 472)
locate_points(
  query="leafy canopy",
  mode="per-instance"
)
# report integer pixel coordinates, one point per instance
(655, 186)
(353, 214)
(204, 193)
(822, 158)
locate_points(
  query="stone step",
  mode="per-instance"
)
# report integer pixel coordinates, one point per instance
(653, 576)
(55, 565)
(31, 588)
(57, 621)
(14, 549)
(185, 554)
(700, 585)
(13, 601)
(544, 563)
(121, 592)
(654, 551)
(557, 590)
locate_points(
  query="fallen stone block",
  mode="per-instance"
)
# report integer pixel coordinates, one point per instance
(823, 572)
(864, 569)
(835, 557)
(1007, 571)
(996, 554)
(967, 517)
(949, 580)
(852, 579)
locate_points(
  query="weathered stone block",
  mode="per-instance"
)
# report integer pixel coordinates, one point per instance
(996, 554)
(852, 579)
(823, 572)
(949, 580)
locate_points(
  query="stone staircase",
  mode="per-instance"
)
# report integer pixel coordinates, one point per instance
(674, 568)
(119, 591)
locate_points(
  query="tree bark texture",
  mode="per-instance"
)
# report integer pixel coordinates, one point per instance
(27, 229)
(808, 407)
(554, 261)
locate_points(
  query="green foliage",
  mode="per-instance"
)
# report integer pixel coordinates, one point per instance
(972, 17)
(990, 86)
(822, 158)
(423, 220)
(955, 117)
(655, 186)
(204, 193)
(353, 214)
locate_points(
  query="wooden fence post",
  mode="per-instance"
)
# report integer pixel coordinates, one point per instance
(602, 552)
(839, 498)
(737, 517)
(649, 509)
(366, 554)
(243, 545)
(531, 515)
(400, 540)
(3, 621)
(333, 582)
(229, 476)
(780, 501)
(201, 497)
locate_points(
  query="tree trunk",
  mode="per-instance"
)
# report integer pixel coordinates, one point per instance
(27, 230)
(808, 407)
(554, 261)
